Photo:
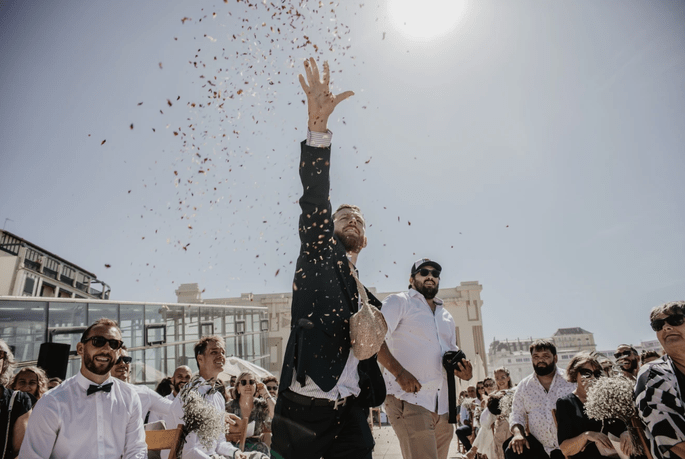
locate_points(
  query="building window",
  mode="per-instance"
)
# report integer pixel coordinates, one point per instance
(67, 275)
(29, 285)
(47, 290)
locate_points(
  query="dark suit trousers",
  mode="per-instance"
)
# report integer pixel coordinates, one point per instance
(536, 450)
(314, 432)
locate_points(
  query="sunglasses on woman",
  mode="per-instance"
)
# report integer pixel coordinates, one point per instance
(673, 320)
(586, 374)
(489, 384)
(100, 341)
(245, 382)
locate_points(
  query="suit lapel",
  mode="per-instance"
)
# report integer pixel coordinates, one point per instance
(349, 286)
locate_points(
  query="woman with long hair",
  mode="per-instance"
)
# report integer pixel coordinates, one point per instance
(503, 378)
(252, 402)
(31, 380)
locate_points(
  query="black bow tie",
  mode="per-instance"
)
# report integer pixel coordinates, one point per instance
(94, 388)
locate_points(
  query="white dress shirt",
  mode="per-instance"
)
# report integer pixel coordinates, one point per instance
(68, 424)
(153, 402)
(418, 338)
(168, 419)
(193, 449)
(534, 404)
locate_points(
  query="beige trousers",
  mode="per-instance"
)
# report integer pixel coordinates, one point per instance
(422, 433)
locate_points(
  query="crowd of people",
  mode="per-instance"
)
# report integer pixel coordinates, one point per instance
(336, 368)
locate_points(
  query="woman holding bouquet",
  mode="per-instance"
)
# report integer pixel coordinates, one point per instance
(579, 436)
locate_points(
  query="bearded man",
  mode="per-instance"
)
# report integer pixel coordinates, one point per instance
(420, 332)
(92, 414)
(628, 360)
(535, 398)
(325, 391)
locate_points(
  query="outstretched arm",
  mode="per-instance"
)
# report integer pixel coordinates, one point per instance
(320, 101)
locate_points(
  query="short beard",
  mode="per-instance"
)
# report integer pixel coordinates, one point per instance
(544, 371)
(89, 362)
(178, 386)
(352, 243)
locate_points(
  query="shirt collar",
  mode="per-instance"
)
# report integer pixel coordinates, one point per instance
(415, 294)
(85, 383)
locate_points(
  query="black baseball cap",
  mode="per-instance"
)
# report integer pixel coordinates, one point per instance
(418, 264)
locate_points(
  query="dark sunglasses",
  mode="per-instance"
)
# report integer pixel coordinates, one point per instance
(124, 358)
(673, 320)
(425, 272)
(618, 355)
(271, 387)
(489, 384)
(585, 373)
(245, 382)
(100, 341)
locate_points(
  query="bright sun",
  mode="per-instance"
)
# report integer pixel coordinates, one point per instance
(426, 19)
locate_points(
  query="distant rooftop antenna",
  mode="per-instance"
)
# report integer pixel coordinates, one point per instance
(5, 224)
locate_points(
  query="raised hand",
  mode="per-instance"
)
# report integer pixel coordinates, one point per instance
(320, 101)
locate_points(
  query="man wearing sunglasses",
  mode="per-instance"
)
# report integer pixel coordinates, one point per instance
(417, 400)
(628, 359)
(325, 390)
(150, 401)
(660, 388)
(90, 415)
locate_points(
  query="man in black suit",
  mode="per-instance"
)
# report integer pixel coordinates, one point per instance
(325, 391)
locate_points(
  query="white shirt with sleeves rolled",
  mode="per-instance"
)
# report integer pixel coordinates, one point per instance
(68, 424)
(534, 405)
(417, 338)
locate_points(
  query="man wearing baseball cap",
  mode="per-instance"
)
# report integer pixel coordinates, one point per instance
(420, 331)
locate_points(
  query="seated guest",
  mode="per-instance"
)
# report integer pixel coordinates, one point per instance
(648, 356)
(210, 355)
(90, 415)
(271, 384)
(13, 434)
(54, 382)
(179, 379)
(660, 385)
(628, 360)
(164, 387)
(579, 436)
(535, 397)
(503, 379)
(252, 402)
(31, 380)
(465, 430)
(481, 395)
(150, 401)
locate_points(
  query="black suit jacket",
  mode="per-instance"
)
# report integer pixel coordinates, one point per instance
(324, 293)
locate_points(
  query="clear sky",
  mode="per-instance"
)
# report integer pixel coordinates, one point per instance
(536, 147)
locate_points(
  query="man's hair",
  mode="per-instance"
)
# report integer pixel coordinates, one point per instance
(578, 361)
(55, 379)
(543, 345)
(201, 345)
(670, 308)
(269, 379)
(8, 364)
(41, 377)
(348, 206)
(105, 322)
(647, 354)
(632, 349)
